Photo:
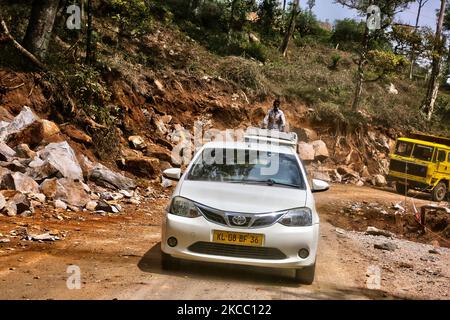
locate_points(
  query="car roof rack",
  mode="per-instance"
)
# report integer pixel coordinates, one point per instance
(266, 136)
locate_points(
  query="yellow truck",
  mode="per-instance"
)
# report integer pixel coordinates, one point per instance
(421, 162)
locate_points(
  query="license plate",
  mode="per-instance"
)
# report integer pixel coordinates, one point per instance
(243, 239)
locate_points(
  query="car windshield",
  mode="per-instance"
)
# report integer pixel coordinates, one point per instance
(247, 166)
(422, 152)
(403, 148)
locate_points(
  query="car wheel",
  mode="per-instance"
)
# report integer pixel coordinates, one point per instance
(168, 262)
(401, 188)
(305, 275)
(439, 192)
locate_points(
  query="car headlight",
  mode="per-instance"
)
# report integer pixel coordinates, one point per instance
(300, 217)
(183, 207)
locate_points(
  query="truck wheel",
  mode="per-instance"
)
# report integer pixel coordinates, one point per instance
(168, 262)
(305, 275)
(401, 188)
(439, 192)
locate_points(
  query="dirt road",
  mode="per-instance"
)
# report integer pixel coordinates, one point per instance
(118, 258)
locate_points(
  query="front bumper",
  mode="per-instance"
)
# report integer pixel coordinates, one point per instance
(288, 240)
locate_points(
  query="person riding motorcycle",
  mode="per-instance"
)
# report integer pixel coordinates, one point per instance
(275, 119)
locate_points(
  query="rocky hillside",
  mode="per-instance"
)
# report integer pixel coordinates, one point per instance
(147, 92)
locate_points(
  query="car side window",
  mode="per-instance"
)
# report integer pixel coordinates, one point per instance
(441, 156)
(448, 159)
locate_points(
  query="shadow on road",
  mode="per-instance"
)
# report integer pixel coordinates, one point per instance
(280, 281)
(151, 262)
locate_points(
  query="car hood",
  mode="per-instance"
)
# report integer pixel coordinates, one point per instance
(247, 198)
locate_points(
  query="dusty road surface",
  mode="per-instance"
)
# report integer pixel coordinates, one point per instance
(119, 258)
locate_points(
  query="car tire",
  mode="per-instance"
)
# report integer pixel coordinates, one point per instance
(401, 188)
(168, 262)
(305, 275)
(439, 192)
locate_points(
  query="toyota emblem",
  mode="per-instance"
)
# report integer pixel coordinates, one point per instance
(239, 220)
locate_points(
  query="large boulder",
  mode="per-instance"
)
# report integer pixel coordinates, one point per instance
(76, 134)
(320, 150)
(40, 170)
(20, 182)
(17, 204)
(321, 175)
(137, 142)
(67, 190)
(40, 131)
(140, 166)
(15, 165)
(24, 151)
(105, 177)
(156, 151)
(306, 151)
(379, 180)
(305, 134)
(20, 122)
(4, 172)
(6, 153)
(61, 158)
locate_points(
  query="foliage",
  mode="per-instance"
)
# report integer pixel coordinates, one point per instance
(270, 17)
(335, 58)
(133, 16)
(384, 63)
(246, 74)
(308, 25)
(348, 33)
(91, 94)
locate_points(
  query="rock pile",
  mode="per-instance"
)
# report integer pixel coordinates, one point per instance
(38, 166)
(340, 167)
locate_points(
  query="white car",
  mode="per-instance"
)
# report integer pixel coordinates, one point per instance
(257, 212)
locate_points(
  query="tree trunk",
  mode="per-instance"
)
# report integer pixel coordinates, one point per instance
(359, 87)
(40, 27)
(413, 58)
(230, 22)
(4, 30)
(433, 84)
(193, 5)
(291, 28)
(89, 39)
(360, 76)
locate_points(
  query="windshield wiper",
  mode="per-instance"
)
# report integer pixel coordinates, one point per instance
(269, 182)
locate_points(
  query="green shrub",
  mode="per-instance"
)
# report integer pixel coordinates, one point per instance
(327, 112)
(256, 51)
(133, 16)
(348, 33)
(245, 73)
(335, 58)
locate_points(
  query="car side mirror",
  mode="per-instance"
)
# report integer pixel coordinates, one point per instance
(172, 174)
(319, 185)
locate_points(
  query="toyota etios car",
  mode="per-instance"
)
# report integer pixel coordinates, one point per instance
(243, 203)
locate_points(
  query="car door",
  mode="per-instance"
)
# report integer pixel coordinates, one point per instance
(442, 162)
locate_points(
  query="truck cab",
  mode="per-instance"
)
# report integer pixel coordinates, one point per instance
(421, 162)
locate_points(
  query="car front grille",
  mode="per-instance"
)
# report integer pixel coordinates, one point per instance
(230, 250)
(213, 216)
(251, 220)
(408, 167)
